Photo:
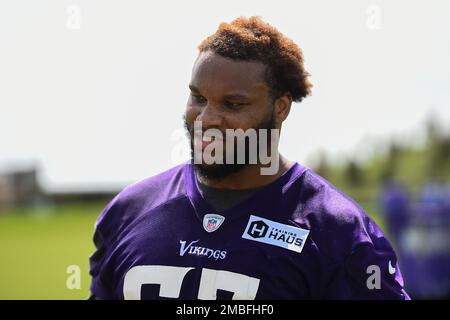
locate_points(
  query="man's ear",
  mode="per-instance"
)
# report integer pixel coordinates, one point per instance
(282, 108)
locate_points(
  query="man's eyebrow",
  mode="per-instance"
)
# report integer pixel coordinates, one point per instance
(194, 88)
(231, 96)
(236, 96)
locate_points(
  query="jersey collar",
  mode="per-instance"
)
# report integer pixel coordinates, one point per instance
(264, 197)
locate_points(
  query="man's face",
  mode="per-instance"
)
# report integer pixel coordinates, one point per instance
(227, 94)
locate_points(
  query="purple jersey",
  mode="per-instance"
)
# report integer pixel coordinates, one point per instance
(296, 238)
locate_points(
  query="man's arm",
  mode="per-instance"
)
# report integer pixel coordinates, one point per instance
(370, 272)
(98, 262)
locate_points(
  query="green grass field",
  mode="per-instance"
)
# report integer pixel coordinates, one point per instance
(37, 246)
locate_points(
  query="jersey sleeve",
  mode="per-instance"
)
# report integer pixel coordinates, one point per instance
(98, 262)
(370, 271)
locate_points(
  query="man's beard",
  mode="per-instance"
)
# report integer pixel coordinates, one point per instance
(217, 171)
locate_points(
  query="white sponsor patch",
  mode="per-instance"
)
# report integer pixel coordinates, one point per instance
(274, 233)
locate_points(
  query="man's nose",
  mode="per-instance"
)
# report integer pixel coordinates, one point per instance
(210, 117)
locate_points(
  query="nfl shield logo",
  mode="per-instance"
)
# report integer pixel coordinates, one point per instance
(212, 222)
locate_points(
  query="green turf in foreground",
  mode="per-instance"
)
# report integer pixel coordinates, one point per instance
(36, 247)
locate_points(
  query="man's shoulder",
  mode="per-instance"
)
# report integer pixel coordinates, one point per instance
(140, 197)
(162, 186)
(327, 201)
(338, 223)
(350, 241)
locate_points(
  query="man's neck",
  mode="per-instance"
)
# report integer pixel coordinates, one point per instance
(249, 177)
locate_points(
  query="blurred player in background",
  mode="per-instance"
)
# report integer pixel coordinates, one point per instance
(423, 240)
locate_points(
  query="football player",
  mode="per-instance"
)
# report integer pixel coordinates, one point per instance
(228, 229)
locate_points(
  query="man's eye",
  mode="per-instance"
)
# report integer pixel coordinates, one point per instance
(198, 99)
(233, 105)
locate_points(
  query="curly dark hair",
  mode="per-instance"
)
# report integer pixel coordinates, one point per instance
(253, 39)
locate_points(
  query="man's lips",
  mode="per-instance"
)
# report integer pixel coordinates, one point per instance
(205, 142)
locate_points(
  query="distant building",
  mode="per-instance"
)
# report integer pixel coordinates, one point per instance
(19, 187)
